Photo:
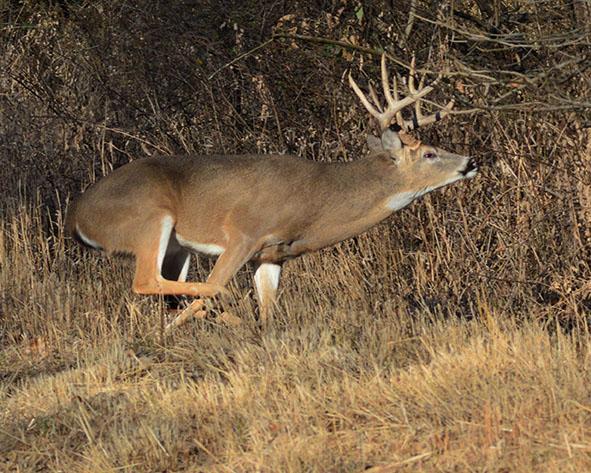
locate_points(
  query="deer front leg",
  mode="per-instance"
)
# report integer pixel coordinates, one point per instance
(266, 281)
(237, 253)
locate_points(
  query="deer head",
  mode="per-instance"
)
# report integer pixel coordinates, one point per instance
(423, 167)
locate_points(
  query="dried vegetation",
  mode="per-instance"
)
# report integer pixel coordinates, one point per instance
(453, 337)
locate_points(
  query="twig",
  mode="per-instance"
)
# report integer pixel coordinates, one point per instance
(574, 36)
(529, 106)
(334, 42)
(242, 56)
(354, 47)
(378, 52)
(393, 467)
(411, 19)
(134, 137)
(318, 40)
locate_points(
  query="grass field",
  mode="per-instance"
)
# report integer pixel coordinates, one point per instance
(453, 337)
(355, 373)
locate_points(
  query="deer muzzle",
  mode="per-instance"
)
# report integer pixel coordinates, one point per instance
(471, 168)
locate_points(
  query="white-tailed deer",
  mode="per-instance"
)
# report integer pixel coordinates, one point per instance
(264, 209)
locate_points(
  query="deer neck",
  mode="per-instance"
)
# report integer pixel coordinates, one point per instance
(363, 193)
(376, 186)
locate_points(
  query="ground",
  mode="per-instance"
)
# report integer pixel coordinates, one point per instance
(348, 377)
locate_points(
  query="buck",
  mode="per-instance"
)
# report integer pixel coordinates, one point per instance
(261, 208)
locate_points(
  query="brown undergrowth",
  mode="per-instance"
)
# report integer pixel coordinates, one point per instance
(452, 337)
(353, 373)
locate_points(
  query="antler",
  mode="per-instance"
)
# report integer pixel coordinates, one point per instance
(418, 118)
(395, 105)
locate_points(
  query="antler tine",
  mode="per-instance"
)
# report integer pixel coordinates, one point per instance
(374, 97)
(422, 91)
(418, 112)
(370, 108)
(386, 84)
(383, 115)
(391, 101)
(395, 87)
(394, 105)
(421, 120)
(399, 117)
(411, 76)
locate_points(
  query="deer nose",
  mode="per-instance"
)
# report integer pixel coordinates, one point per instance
(471, 166)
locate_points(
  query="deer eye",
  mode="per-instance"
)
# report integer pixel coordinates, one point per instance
(429, 155)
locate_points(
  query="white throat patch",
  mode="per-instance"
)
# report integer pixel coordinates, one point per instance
(401, 200)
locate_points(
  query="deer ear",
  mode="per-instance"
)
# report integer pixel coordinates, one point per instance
(374, 144)
(391, 140)
(409, 141)
(397, 155)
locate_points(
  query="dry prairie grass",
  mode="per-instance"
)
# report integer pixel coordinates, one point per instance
(346, 378)
(453, 337)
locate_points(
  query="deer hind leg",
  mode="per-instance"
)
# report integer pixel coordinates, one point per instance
(151, 270)
(266, 281)
(175, 267)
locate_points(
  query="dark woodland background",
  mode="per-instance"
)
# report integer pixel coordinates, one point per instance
(454, 336)
(89, 86)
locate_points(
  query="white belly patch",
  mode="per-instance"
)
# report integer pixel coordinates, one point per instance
(87, 240)
(206, 248)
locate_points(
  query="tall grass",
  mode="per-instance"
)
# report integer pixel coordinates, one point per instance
(452, 337)
(359, 369)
